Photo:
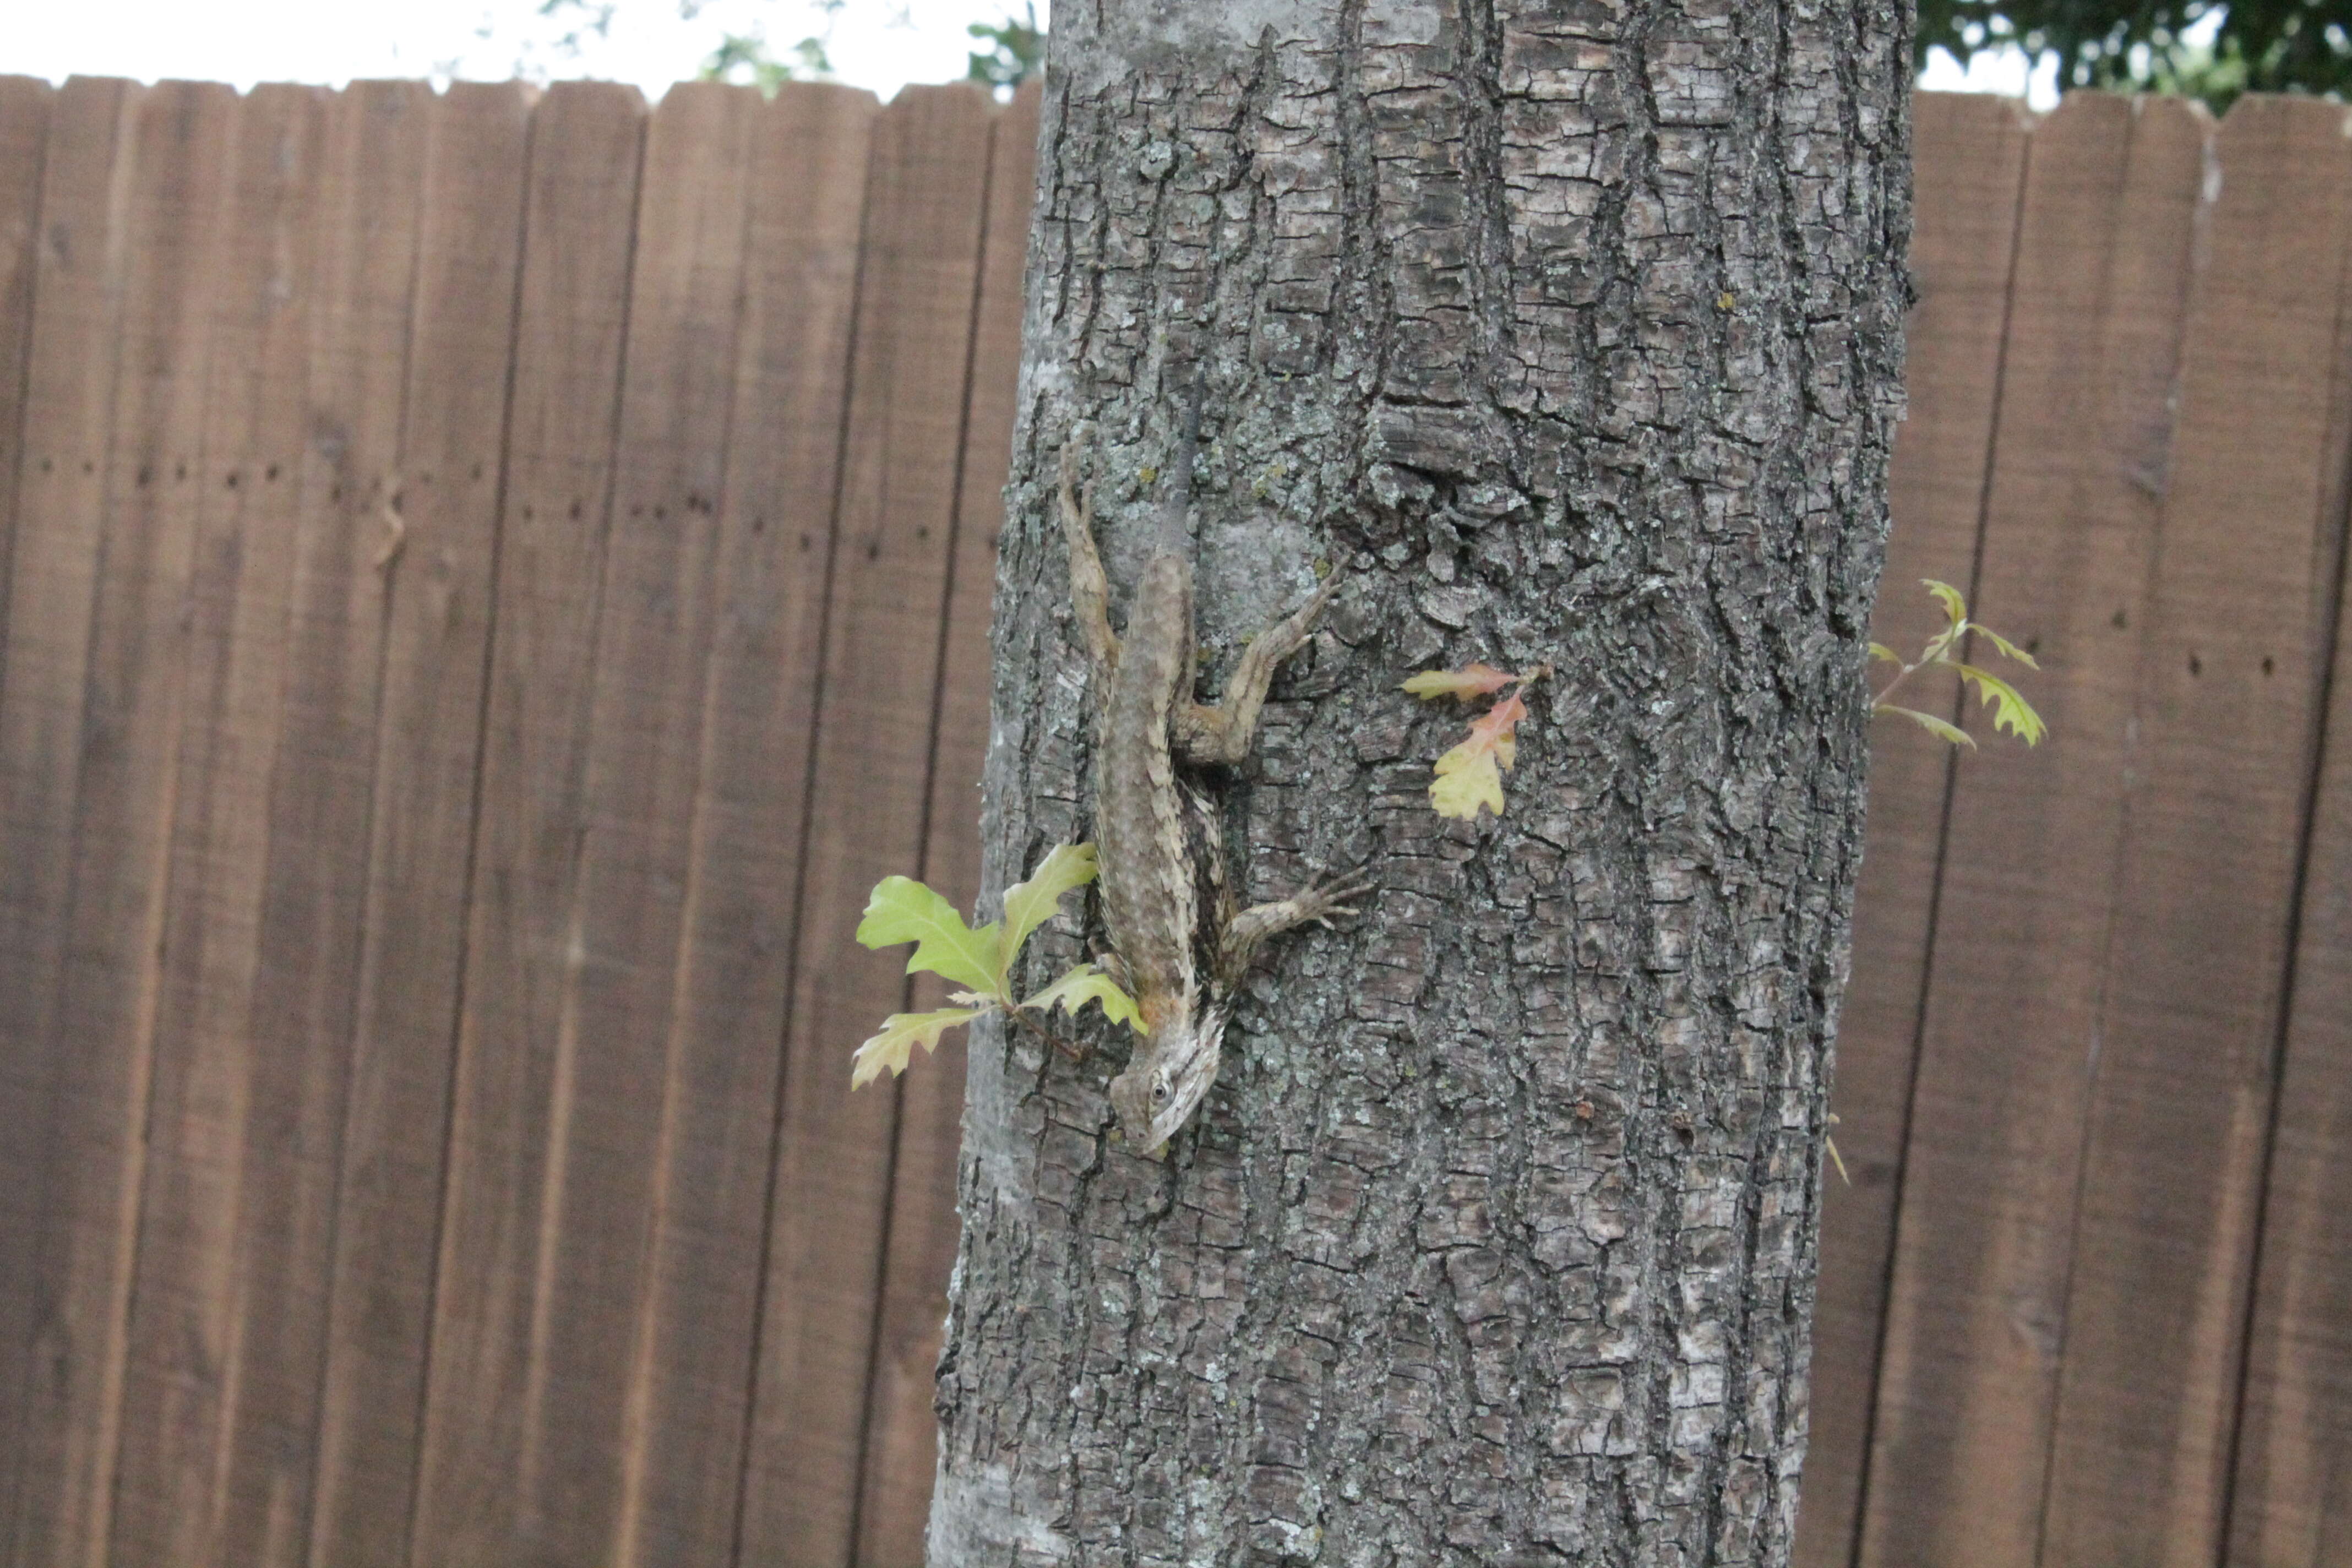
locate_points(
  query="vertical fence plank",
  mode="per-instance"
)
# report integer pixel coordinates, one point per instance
(2291, 1505)
(434, 537)
(186, 1364)
(601, 1186)
(690, 1375)
(88, 728)
(297, 1039)
(2228, 705)
(606, 1184)
(25, 111)
(1971, 155)
(919, 271)
(24, 103)
(901, 1430)
(580, 202)
(2028, 883)
(438, 543)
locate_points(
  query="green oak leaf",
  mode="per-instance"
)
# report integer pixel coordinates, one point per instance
(2011, 711)
(1933, 725)
(901, 1033)
(1086, 983)
(2008, 647)
(1032, 903)
(903, 910)
(1956, 608)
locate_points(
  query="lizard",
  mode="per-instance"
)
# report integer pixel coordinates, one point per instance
(1178, 943)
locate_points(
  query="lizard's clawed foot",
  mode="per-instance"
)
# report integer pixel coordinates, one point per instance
(1318, 901)
(1332, 894)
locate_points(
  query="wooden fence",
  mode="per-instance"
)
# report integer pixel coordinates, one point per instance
(491, 583)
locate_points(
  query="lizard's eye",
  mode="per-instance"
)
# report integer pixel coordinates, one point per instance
(1159, 1093)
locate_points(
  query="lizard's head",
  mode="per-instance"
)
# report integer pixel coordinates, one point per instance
(1168, 1080)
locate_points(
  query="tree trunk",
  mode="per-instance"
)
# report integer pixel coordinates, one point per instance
(1572, 334)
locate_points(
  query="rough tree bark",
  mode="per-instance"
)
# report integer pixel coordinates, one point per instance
(1571, 329)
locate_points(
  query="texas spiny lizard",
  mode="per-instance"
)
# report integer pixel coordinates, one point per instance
(1179, 944)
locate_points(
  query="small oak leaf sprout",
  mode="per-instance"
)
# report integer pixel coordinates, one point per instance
(2012, 712)
(903, 910)
(1470, 776)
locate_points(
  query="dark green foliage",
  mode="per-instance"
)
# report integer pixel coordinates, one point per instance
(1016, 50)
(2262, 45)
(746, 57)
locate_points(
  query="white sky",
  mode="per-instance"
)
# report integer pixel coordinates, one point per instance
(877, 44)
(1991, 70)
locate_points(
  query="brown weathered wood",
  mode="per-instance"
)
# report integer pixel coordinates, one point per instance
(1986, 1228)
(434, 570)
(297, 1042)
(580, 199)
(25, 105)
(2291, 1502)
(96, 651)
(2228, 708)
(756, 694)
(1971, 154)
(919, 271)
(601, 1185)
(212, 1092)
(901, 1432)
(25, 111)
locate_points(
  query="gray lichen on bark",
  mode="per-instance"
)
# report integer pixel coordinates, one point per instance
(1571, 331)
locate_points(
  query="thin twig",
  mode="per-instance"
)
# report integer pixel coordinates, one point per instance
(1022, 1018)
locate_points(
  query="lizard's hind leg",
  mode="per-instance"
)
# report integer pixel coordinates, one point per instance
(1089, 586)
(1316, 902)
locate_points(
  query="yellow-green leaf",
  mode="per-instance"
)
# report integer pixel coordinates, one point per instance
(2008, 647)
(1956, 608)
(1468, 777)
(1879, 650)
(901, 1033)
(903, 910)
(1933, 725)
(1032, 903)
(1086, 983)
(2011, 711)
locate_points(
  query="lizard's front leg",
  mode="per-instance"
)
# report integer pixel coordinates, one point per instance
(1221, 736)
